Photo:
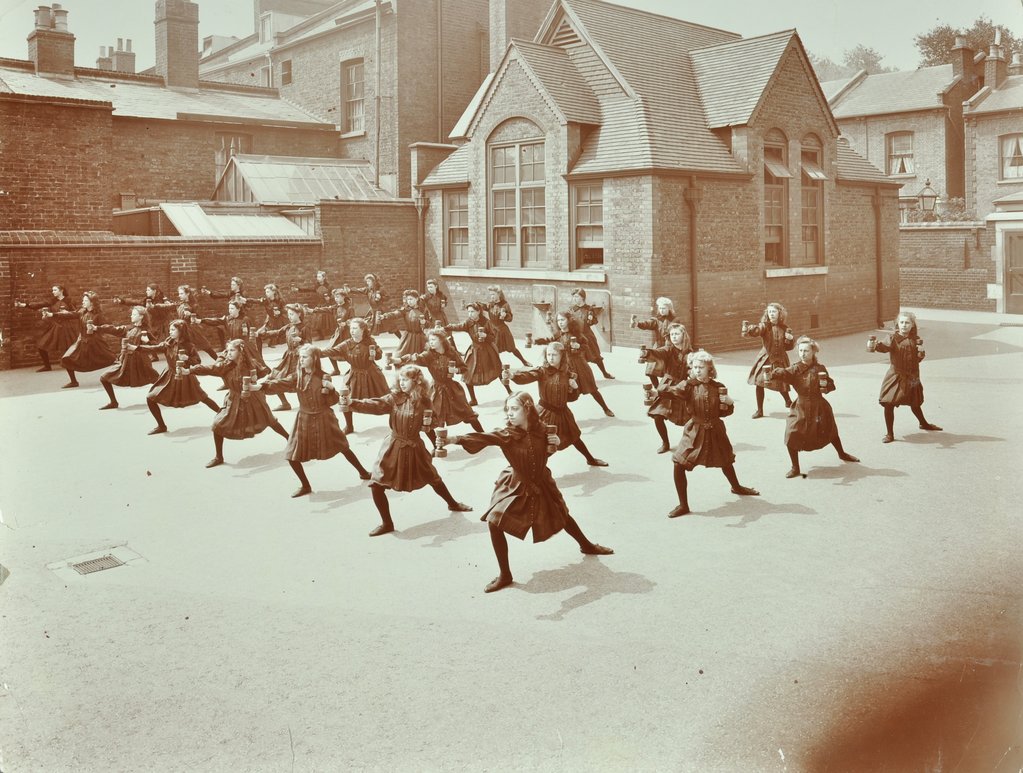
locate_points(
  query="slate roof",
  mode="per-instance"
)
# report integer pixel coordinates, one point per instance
(453, 170)
(893, 92)
(831, 88)
(732, 76)
(1008, 96)
(138, 98)
(287, 180)
(562, 81)
(854, 167)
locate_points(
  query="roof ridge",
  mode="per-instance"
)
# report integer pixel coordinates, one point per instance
(644, 12)
(739, 41)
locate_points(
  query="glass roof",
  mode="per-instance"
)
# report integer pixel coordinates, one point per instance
(285, 180)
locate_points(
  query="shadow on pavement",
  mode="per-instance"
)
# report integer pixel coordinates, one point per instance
(751, 509)
(947, 439)
(257, 463)
(442, 530)
(845, 473)
(739, 447)
(603, 422)
(592, 576)
(592, 479)
(336, 498)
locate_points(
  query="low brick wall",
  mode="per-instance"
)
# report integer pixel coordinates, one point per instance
(946, 265)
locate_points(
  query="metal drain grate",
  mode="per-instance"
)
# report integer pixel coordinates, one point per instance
(97, 564)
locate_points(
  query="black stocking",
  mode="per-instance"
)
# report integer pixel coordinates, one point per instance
(653, 380)
(919, 413)
(154, 409)
(45, 357)
(580, 446)
(681, 486)
(348, 422)
(600, 364)
(760, 399)
(208, 402)
(472, 393)
(793, 457)
(889, 419)
(507, 388)
(297, 469)
(576, 533)
(600, 400)
(109, 390)
(662, 429)
(729, 472)
(218, 442)
(354, 461)
(71, 375)
(380, 500)
(475, 424)
(500, 544)
(517, 353)
(443, 493)
(276, 427)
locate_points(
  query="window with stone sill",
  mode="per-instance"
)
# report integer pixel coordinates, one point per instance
(811, 204)
(456, 225)
(1010, 157)
(899, 153)
(353, 97)
(285, 72)
(518, 207)
(589, 224)
(776, 196)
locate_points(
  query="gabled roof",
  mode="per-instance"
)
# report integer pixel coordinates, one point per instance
(286, 180)
(733, 76)
(832, 89)
(854, 167)
(1008, 96)
(562, 80)
(453, 170)
(892, 92)
(141, 97)
(193, 220)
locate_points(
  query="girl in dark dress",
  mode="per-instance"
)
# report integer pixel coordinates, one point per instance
(158, 310)
(294, 337)
(176, 387)
(811, 422)
(320, 323)
(565, 331)
(414, 320)
(705, 442)
(133, 368)
(435, 301)
(901, 385)
(404, 463)
(235, 325)
(364, 378)
(585, 317)
(525, 495)
(90, 351)
(188, 310)
(378, 301)
(674, 358)
(777, 339)
(273, 306)
(558, 387)
(340, 310)
(482, 360)
(316, 434)
(500, 314)
(659, 326)
(235, 295)
(450, 405)
(58, 331)
(245, 413)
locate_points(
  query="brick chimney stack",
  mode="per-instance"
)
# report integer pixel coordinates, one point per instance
(123, 57)
(995, 69)
(513, 19)
(105, 62)
(177, 42)
(962, 58)
(50, 45)
(1016, 65)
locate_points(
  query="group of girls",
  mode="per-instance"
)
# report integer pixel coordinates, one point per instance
(684, 391)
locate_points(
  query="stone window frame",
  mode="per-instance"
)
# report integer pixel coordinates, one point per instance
(513, 202)
(286, 72)
(228, 145)
(1010, 143)
(776, 199)
(812, 202)
(266, 27)
(584, 221)
(893, 156)
(456, 228)
(353, 100)
(266, 76)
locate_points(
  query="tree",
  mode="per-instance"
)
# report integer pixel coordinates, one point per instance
(936, 45)
(827, 70)
(863, 58)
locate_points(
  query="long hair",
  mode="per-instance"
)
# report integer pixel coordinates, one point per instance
(533, 423)
(184, 337)
(298, 309)
(189, 291)
(686, 343)
(665, 300)
(814, 346)
(580, 292)
(440, 335)
(244, 361)
(360, 323)
(556, 346)
(703, 356)
(142, 314)
(440, 293)
(238, 305)
(93, 297)
(158, 296)
(274, 291)
(913, 332)
(419, 392)
(62, 288)
(317, 369)
(497, 289)
(783, 314)
(375, 284)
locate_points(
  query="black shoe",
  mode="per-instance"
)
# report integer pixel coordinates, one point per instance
(663, 448)
(501, 581)
(216, 461)
(108, 407)
(930, 427)
(365, 475)
(758, 415)
(594, 462)
(43, 369)
(304, 491)
(745, 491)
(888, 439)
(70, 385)
(158, 430)
(593, 549)
(384, 528)
(609, 413)
(678, 511)
(793, 473)
(847, 457)
(459, 507)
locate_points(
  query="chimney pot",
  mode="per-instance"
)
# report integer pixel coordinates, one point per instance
(128, 44)
(50, 46)
(960, 42)
(59, 18)
(120, 44)
(43, 18)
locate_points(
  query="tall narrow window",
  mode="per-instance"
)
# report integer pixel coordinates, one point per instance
(589, 224)
(228, 145)
(353, 97)
(266, 76)
(456, 208)
(899, 149)
(266, 27)
(1011, 156)
(812, 201)
(518, 206)
(285, 72)
(776, 195)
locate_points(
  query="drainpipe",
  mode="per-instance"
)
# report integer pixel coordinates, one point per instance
(693, 196)
(440, 71)
(376, 98)
(422, 204)
(875, 200)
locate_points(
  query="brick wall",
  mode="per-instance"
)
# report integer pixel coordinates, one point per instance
(381, 237)
(947, 266)
(55, 160)
(982, 160)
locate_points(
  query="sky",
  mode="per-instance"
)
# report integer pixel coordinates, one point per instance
(827, 27)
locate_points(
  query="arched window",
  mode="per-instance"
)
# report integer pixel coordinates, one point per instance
(776, 196)
(518, 208)
(811, 180)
